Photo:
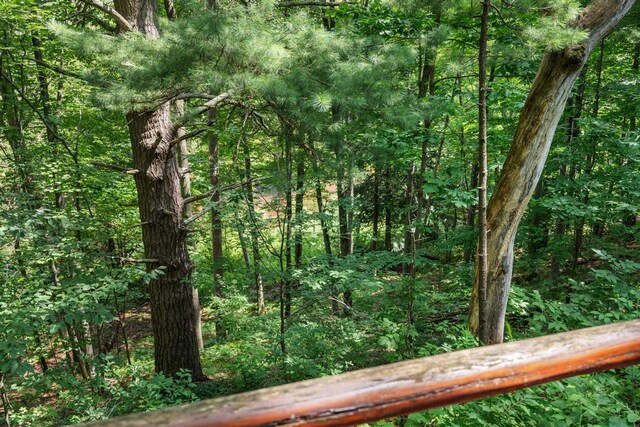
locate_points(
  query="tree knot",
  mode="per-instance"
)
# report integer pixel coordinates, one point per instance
(576, 55)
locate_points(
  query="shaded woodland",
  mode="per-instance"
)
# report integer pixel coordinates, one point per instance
(201, 198)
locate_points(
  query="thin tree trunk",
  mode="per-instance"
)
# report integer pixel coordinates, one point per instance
(83, 334)
(344, 184)
(12, 131)
(539, 235)
(427, 81)
(299, 212)
(525, 161)
(243, 243)
(122, 323)
(183, 162)
(575, 104)
(76, 351)
(590, 163)
(47, 111)
(216, 221)
(471, 212)
(387, 212)
(71, 337)
(185, 190)
(409, 230)
(630, 220)
(635, 68)
(350, 205)
(376, 209)
(170, 9)
(344, 201)
(255, 244)
(6, 405)
(409, 266)
(41, 359)
(482, 255)
(288, 222)
(326, 238)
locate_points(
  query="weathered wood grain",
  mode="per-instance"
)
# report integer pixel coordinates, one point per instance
(400, 388)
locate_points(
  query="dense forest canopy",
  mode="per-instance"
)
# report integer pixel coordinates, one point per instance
(201, 198)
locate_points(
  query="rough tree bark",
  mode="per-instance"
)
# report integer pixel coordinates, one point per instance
(174, 304)
(527, 156)
(185, 169)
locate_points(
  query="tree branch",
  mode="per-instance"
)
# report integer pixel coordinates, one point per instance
(196, 216)
(210, 192)
(115, 168)
(312, 4)
(136, 261)
(214, 102)
(123, 24)
(60, 70)
(44, 119)
(187, 136)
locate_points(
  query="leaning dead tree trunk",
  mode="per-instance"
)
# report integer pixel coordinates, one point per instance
(528, 154)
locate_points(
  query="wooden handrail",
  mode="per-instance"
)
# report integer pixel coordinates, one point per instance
(400, 388)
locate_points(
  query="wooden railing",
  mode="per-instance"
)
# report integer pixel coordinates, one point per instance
(401, 388)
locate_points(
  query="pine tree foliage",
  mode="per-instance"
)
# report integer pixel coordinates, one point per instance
(357, 97)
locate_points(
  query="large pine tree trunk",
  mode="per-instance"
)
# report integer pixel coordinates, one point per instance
(528, 154)
(174, 304)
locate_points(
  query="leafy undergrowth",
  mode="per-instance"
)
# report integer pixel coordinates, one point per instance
(243, 351)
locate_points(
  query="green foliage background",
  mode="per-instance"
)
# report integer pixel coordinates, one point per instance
(61, 261)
